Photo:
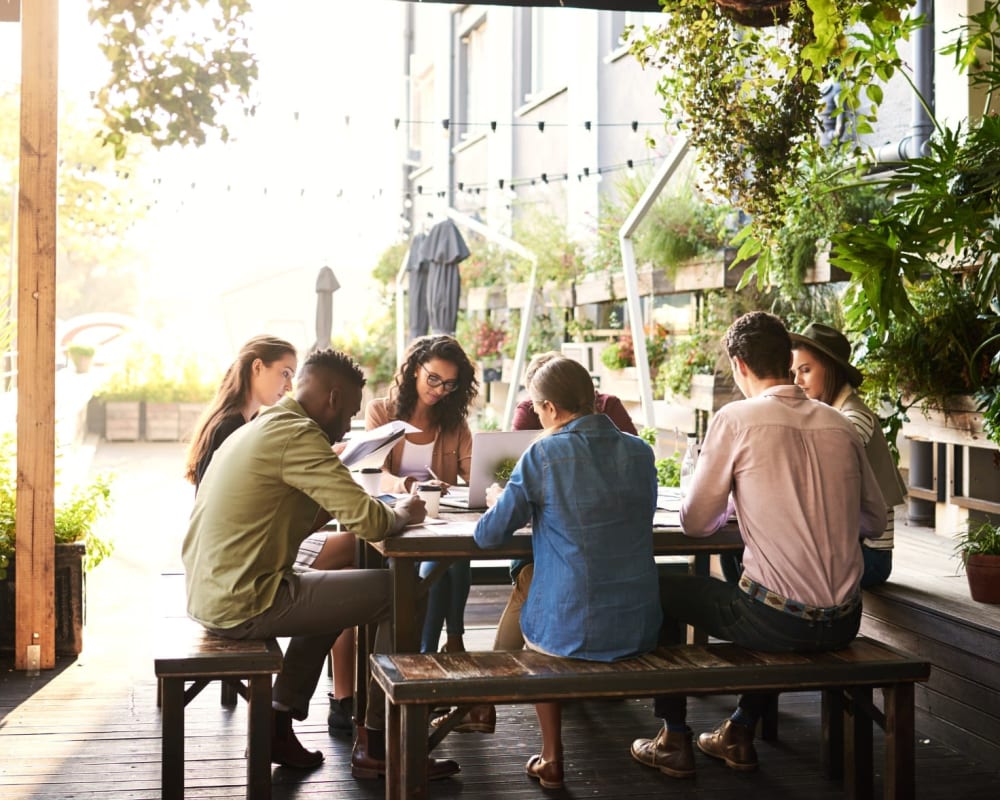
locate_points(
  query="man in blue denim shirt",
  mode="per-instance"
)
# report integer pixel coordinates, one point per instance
(589, 492)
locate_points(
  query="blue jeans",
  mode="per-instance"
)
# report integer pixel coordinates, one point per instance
(878, 566)
(723, 610)
(445, 602)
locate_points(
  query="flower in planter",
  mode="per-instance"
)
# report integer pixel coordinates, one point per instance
(488, 341)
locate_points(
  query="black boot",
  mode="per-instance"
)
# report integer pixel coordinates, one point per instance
(286, 749)
(340, 720)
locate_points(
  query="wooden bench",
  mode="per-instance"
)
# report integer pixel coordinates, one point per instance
(414, 683)
(187, 653)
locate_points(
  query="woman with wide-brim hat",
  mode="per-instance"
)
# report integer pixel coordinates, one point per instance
(821, 366)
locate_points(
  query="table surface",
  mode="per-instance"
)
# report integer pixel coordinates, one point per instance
(453, 539)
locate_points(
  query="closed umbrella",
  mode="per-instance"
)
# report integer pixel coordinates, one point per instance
(326, 285)
(445, 250)
(416, 267)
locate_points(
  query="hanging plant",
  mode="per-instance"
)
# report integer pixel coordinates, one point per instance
(748, 98)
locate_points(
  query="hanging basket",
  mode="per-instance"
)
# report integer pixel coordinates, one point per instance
(756, 13)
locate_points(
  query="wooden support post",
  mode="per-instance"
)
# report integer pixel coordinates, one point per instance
(36, 313)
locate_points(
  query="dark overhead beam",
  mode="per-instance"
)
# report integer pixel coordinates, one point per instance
(597, 5)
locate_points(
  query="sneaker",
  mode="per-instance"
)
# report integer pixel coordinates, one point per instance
(340, 719)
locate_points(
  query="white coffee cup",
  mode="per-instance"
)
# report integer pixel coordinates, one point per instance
(370, 478)
(431, 495)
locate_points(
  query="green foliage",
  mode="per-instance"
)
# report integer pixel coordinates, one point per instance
(488, 264)
(169, 81)
(648, 435)
(373, 348)
(680, 226)
(979, 538)
(560, 258)
(503, 470)
(619, 354)
(748, 97)
(668, 471)
(387, 267)
(149, 375)
(80, 350)
(75, 519)
(944, 347)
(689, 356)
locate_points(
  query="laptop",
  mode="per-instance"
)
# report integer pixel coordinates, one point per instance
(489, 448)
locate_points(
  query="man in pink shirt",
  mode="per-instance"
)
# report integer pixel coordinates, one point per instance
(797, 476)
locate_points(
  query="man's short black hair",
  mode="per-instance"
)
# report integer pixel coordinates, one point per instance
(762, 342)
(337, 363)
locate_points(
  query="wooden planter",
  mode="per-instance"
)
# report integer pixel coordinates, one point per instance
(711, 392)
(189, 414)
(163, 422)
(121, 420)
(983, 572)
(517, 295)
(958, 422)
(558, 295)
(486, 298)
(70, 601)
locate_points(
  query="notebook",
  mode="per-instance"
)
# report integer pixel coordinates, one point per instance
(489, 448)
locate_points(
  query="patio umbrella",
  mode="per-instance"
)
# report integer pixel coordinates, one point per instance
(416, 266)
(326, 285)
(445, 249)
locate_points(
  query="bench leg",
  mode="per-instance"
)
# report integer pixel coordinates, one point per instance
(858, 744)
(259, 738)
(172, 745)
(832, 733)
(409, 751)
(899, 742)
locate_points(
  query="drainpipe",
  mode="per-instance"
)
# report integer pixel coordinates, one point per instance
(921, 126)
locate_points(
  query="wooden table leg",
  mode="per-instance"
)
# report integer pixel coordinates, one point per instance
(172, 754)
(366, 558)
(832, 733)
(900, 749)
(702, 565)
(259, 737)
(858, 744)
(405, 625)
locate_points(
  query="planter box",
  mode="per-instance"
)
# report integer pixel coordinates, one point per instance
(957, 423)
(824, 271)
(122, 420)
(163, 422)
(486, 298)
(650, 279)
(595, 288)
(558, 295)
(586, 353)
(709, 273)
(70, 601)
(623, 383)
(190, 413)
(517, 295)
(710, 393)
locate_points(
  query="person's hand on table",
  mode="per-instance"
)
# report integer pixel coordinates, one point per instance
(492, 494)
(412, 507)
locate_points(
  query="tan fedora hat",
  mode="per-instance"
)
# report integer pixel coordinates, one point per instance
(831, 343)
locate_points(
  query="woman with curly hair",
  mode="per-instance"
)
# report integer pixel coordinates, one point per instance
(433, 389)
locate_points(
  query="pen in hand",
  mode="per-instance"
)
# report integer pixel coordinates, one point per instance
(435, 477)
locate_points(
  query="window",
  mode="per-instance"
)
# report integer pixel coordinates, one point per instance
(546, 54)
(421, 109)
(474, 87)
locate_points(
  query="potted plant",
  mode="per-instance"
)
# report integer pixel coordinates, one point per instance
(82, 356)
(79, 548)
(979, 548)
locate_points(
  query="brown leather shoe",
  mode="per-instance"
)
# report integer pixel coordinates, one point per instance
(286, 749)
(548, 773)
(368, 758)
(733, 744)
(480, 719)
(670, 752)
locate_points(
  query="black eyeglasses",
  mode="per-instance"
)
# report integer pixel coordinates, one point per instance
(435, 380)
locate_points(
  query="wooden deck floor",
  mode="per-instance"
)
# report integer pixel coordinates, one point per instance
(90, 728)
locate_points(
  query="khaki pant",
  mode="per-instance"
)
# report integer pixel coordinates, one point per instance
(509, 636)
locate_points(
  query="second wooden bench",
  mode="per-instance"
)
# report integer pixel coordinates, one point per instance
(414, 683)
(188, 654)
